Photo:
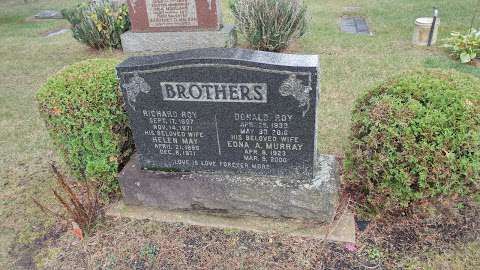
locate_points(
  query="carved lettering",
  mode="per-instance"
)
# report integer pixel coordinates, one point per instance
(214, 92)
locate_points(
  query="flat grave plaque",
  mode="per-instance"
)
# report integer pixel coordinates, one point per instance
(354, 25)
(49, 14)
(224, 110)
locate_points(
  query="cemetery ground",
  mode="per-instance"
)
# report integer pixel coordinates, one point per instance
(447, 239)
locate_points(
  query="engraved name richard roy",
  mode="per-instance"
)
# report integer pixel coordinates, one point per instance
(214, 92)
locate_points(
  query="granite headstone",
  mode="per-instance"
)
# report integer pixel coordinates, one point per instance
(175, 25)
(228, 122)
(174, 15)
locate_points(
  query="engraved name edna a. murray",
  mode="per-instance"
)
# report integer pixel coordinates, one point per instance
(214, 92)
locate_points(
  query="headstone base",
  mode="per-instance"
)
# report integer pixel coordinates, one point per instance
(164, 42)
(340, 230)
(229, 194)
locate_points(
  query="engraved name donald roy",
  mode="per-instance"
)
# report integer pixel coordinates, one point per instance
(214, 92)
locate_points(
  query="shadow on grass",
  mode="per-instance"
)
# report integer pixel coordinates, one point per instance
(444, 62)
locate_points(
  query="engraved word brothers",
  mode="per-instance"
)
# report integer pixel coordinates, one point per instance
(215, 92)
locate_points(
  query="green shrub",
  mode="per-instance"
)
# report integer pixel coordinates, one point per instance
(83, 110)
(98, 24)
(270, 25)
(416, 137)
(465, 47)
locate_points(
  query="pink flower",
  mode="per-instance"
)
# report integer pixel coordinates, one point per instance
(351, 247)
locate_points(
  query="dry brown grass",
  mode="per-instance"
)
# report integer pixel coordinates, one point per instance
(82, 207)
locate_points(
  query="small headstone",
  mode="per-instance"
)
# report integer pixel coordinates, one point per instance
(57, 32)
(354, 25)
(238, 125)
(49, 14)
(351, 9)
(175, 25)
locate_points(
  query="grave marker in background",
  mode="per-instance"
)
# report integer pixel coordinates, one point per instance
(174, 15)
(354, 25)
(49, 14)
(175, 25)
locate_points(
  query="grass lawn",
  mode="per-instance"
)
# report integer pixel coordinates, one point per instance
(350, 64)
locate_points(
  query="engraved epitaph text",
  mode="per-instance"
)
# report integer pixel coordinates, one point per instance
(171, 13)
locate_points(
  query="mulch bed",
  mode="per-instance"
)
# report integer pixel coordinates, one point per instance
(133, 244)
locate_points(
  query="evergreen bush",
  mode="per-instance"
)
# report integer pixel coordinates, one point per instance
(84, 114)
(416, 137)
